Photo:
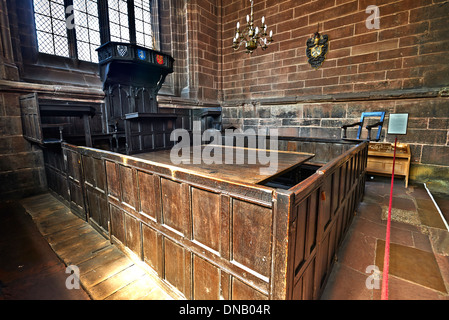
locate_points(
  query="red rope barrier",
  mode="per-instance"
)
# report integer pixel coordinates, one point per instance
(384, 295)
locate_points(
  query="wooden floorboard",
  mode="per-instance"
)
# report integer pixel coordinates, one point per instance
(115, 283)
(105, 271)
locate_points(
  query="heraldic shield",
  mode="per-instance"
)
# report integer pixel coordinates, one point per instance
(317, 48)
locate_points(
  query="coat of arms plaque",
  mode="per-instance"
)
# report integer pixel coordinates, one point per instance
(317, 48)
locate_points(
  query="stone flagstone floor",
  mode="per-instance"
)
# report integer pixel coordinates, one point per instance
(419, 260)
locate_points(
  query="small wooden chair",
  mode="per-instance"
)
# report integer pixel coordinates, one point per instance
(379, 124)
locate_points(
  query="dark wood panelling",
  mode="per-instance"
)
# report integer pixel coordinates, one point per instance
(212, 239)
(304, 288)
(312, 222)
(151, 250)
(147, 193)
(95, 192)
(340, 188)
(301, 224)
(225, 286)
(100, 176)
(127, 186)
(325, 205)
(242, 291)
(113, 179)
(206, 280)
(89, 170)
(133, 234)
(75, 182)
(174, 265)
(225, 214)
(206, 218)
(117, 224)
(251, 236)
(31, 120)
(175, 204)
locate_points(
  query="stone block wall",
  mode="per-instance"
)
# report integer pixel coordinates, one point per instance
(428, 128)
(22, 170)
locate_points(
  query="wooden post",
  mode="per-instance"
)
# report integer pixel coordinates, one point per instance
(87, 130)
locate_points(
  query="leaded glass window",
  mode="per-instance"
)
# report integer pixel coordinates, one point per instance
(72, 28)
(51, 27)
(118, 20)
(87, 29)
(144, 31)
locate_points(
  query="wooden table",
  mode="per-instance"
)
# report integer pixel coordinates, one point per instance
(243, 173)
(380, 159)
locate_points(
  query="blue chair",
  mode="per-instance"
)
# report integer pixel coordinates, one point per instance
(379, 124)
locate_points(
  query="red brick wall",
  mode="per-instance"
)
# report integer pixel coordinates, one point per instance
(409, 50)
(204, 47)
(401, 67)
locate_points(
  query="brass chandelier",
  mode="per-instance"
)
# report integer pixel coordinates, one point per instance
(252, 36)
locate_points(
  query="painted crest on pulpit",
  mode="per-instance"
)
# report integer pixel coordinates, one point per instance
(141, 54)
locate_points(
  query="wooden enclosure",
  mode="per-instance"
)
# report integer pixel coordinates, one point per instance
(211, 238)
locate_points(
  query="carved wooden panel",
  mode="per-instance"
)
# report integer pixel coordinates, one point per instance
(89, 170)
(312, 222)
(95, 190)
(31, 122)
(56, 172)
(305, 227)
(206, 280)
(335, 190)
(117, 223)
(325, 205)
(242, 291)
(174, 263)
(251, 236)
(127, 186)
(75, 182)
(151, 250)
(206, 218)
(148, 193)
(113, 178)
(343, 170)
(100, 175)
(93, 204)
(301, 224)
(322, 260)
(304, 289)
(133, 234)
(175, 205)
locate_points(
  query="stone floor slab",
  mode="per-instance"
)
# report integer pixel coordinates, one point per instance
(411, 264)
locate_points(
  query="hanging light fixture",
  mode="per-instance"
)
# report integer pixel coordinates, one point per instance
(252, 36)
